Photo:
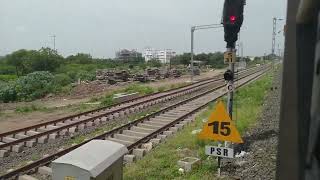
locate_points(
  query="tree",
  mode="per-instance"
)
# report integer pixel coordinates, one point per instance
(154, 63)
(21, 60)
(46, 60)
(80, 58)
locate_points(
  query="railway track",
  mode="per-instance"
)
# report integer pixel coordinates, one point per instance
(153, 128)
(15, 141)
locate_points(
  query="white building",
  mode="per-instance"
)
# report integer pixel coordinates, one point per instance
(163, 56)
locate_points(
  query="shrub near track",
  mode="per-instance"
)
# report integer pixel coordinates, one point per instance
(161, 162)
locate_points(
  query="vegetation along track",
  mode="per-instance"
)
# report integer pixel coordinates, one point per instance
(151, 128)
(41, 133)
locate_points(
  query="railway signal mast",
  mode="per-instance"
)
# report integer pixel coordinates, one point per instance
(232, 21)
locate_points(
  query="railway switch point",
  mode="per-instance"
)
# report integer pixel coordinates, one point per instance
(97, 159)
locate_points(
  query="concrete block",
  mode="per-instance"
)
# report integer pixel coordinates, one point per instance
(63, 132)
(179, 126)
(188, 163)
(134, 133)
(72, 130)
(116, 115)
(127, 143)
(143, 125)
(147, 146)
(89, 124)
(97, 121)
(42, 140)
(44, 170)
(26, 177)
(3, 153)
(17, 148)
(20, 136)
(8, 139)
(162, 136)
(32, 133)
(81, 127)
(140, 129)
(61, 124)
(139, 153)
(174, 129)
(168, 133)
(42, 129)
(155, 141)
(126, 137)
(52, 137)
(154, 123)
(31, 143)
(6, 148)
(129, 158)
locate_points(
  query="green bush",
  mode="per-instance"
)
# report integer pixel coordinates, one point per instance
(34, 85)
(83, 75)
(7, 92)
(62, 79)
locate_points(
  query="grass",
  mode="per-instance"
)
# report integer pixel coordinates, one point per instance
(30, 108)
(161, 162)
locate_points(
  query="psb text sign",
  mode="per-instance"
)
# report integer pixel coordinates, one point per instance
(220, 127)
(219, 151)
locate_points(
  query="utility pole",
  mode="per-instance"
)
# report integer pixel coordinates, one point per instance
(54, 42)
(193, 29)
(191, 63)
(274, 30)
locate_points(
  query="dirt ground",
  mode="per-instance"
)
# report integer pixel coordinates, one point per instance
(58, 107)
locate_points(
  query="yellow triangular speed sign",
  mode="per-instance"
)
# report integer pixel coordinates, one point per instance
(220, 127)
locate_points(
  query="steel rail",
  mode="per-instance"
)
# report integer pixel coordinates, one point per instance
(171, 92)
(203, 82)
(47, 160)
(73, 124)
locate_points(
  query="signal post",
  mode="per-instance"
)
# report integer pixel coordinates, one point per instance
(220, 126)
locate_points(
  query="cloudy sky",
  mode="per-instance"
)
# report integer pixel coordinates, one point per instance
(101, 27)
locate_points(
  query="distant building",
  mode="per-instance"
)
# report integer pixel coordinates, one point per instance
(163, 56)
(125, 54)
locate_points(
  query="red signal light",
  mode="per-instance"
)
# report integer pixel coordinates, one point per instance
(233, 19)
